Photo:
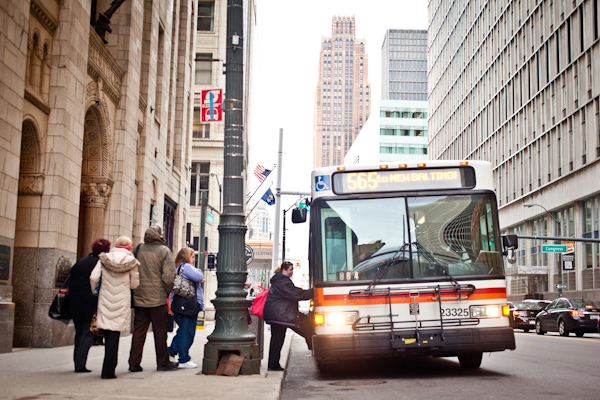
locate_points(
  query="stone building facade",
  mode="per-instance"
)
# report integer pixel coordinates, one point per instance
(342, 97)
(94, 142)
(517, 83)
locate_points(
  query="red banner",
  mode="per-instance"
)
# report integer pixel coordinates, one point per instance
(212, 101)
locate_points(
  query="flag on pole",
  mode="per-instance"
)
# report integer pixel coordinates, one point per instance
(261, 172)
(269, 197)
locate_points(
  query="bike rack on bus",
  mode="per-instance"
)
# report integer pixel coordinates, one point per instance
(398, 333)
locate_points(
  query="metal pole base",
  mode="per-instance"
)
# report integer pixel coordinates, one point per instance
(214, 351)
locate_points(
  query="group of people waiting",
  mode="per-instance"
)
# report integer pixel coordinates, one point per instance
(107, 283)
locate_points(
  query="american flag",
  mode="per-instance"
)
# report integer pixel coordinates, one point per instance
(261, 172)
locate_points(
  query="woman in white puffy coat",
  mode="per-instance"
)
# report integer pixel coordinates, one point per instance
(117, 272)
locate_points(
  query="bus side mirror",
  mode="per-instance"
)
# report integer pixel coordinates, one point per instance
(299, 215)
(510, 244)
(510, 241)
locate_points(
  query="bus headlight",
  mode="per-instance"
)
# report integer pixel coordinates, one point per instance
(485, 311)
(341, 318)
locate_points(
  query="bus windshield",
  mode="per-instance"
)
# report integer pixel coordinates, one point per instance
(408, 238)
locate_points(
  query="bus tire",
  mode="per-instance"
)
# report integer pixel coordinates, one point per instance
(327, 366)
(470, 360)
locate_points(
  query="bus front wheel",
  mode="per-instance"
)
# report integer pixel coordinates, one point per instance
(327, 366)
(471, 360)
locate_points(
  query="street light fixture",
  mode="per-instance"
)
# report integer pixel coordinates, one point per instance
(560, 278)
(213, 173)
(529, 205)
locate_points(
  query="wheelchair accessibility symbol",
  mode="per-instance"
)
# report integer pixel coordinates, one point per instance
(322, 182)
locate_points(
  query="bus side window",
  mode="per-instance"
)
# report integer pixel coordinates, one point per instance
(335, 245)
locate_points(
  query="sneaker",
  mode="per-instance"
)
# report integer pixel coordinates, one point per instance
(173, 359)
(188, 364)
(171, 366)
(135, 368)
(277, 368)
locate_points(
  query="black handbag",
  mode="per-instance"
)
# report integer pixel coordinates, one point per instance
(183, 306)
(59, 309)
(170, 323)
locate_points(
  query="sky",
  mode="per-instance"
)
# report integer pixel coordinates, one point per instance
(284, 79)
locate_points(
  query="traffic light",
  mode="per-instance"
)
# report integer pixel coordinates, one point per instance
(304, 205)
(212, 261)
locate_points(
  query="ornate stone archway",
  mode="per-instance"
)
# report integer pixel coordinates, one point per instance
(27, 225)
(31, 177)
(96, 169)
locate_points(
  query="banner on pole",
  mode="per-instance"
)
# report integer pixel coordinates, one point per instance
(212, 102)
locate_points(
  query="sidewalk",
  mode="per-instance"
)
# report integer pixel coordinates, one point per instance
(48, 374)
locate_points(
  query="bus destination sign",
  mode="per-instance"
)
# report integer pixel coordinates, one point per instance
(386, 180)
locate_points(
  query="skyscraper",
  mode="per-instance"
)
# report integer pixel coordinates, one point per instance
(403, 108)
(400, 130)
(516, 83)
(404, 65)
(342, 98)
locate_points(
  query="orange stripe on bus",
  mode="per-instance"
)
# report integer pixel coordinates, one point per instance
(343, 299)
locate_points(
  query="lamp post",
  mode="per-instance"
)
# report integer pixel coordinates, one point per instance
(560, 278)
(231, 333)
(213, 173)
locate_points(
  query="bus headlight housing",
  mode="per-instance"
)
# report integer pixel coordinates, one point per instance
(491, 311)
(341, 318)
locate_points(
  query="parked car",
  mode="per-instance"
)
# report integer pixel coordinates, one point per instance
(569, 315)
(541, 303)
(522, 314)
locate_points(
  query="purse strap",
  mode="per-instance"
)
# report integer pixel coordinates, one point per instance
(137, 248)
(66, 282)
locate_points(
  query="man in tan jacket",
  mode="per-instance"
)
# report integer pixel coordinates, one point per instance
(157, 273)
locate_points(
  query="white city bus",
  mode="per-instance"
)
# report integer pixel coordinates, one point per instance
(406, 259)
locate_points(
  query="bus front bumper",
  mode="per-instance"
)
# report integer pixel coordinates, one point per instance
(427, 342)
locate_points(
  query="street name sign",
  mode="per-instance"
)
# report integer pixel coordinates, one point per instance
(210, 219)
(561, 286)
(554, 248)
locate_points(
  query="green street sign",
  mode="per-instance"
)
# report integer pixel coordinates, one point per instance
(554, 249)
(210, 219)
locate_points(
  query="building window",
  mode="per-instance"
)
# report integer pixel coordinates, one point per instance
(199, 181)
(590, 230)
(203, 69)
(206, 16)
(169, 221)
(200, 130)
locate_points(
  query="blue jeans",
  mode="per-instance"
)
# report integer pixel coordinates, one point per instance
(181, 343)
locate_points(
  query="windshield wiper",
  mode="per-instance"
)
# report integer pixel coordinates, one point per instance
(387, 262)
(433, 261)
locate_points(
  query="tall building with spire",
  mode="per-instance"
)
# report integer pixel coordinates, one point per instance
(343, 94)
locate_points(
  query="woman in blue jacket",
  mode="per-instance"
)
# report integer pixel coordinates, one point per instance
(181, 343)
